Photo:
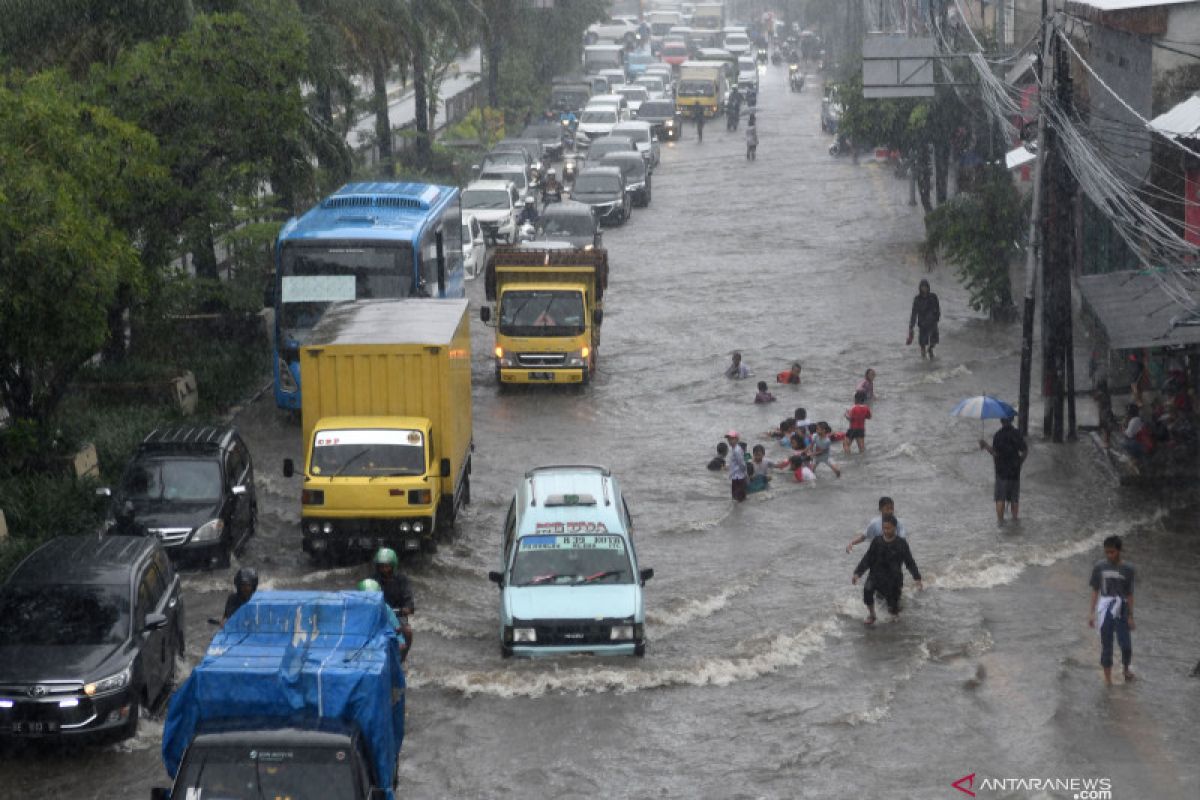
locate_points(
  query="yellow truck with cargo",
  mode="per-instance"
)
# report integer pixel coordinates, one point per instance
(549, 305)
(702, 84)
(386, 426)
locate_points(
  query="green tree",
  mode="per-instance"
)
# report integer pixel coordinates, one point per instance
(223, 99)
(69, 176)
(981, 230)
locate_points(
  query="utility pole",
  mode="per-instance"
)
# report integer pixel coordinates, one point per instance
(1033, 251)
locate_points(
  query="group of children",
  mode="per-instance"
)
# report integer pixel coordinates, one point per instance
(811, 443)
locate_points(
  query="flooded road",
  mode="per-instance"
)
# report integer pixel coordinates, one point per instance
(760, 679)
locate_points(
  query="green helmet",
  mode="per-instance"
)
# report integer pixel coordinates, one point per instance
(386, 555)
(369, 585)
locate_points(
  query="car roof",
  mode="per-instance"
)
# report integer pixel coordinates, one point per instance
(629, 157)
(488, 184)
(629, 87)
(89, 559)
(187, 438)
(631, 125)
(557, 482)
(604, 99)
(567, 208)
(602, 170)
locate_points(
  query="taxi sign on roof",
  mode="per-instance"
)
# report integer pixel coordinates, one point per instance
(570, 500)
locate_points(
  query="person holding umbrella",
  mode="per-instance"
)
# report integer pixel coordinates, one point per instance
(1008, 452)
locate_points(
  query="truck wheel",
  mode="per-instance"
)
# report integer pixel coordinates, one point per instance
(429, 546)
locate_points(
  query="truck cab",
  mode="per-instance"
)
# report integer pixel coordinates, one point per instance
(548, 311)
(569, 577)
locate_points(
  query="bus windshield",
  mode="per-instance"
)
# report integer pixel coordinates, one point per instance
(314, 277)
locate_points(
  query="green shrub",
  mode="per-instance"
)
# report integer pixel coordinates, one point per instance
(39, 507)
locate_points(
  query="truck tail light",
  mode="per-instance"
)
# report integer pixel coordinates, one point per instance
(419, 497)
(312, 497)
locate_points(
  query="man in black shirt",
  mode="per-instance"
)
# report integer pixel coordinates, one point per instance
(885, 558)
(397, 592)
(1008, 451)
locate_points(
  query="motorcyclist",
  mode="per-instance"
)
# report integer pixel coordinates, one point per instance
(552, 190)
(245, 584)
(529, 213)
(126, 523)
(372, 585)
(397, 592)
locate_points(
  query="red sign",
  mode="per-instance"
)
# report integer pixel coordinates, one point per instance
(1191, 207)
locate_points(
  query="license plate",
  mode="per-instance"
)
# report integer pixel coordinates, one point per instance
(34, 727)
(541, 376)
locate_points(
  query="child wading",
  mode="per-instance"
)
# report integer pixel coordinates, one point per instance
(858, 414)
(821, 449)
(1111, 612)
(751, 139)
(884, 559)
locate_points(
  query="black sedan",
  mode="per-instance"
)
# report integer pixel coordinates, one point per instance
(664, 117)
(603, 188)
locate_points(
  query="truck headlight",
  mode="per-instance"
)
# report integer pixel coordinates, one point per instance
(578, 358)
(418, 526)
(621, 633)
(209, 531)
(286, 382)
(524, 634)
(113, 683)
(327, 528)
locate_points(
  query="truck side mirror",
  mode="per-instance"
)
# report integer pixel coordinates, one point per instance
(598, 316)
(485, 314)
(289, 468)
(444, 468)
(646, 574)
(496, 578)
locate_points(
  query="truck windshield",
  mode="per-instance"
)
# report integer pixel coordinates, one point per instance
(571, 559)
(173, 480)
(696, 88)
(362, 453)
(63, 615)
(315, 277)
(251, 773)
(541, 313)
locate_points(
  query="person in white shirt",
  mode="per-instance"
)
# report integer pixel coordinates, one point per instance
(875, 526)
(736, 369)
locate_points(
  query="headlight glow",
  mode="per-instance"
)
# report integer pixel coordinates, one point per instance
(112, 683)
(621, 632)
(524, 634)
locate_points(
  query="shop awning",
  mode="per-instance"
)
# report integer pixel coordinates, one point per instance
(1135, 311)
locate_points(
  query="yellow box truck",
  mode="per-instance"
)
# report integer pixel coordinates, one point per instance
(386, 421)
(549, 307)
(702, 85)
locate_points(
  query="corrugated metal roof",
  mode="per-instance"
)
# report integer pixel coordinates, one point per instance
(1019, 157)
(1135, 312)
(1181, 122)
(1128, 5)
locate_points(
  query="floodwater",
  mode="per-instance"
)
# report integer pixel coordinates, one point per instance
(760, 679)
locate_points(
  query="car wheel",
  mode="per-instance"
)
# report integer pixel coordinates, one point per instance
(224, 554)
(639, 650)
(129, 729)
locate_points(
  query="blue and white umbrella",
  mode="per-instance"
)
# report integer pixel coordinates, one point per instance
(983, 407)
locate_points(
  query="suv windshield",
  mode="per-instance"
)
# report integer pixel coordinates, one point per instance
(489, 199)
(657, 108)
(541, 313)
(551, 560)
(597, 184)
(183, 480)
(509, 157)
(63, 615)
(568, 224)
(361, 453)
(301, 773)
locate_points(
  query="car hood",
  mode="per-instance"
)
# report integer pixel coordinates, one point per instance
(574, 241)
(25, 664)
(595, 198)
(177, 515)
(574, 602)
(487, 215)
(596, 127)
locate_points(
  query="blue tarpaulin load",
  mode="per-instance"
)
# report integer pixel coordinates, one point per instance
(292, 654)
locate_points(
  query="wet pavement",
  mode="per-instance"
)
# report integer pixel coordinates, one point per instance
(760, 679)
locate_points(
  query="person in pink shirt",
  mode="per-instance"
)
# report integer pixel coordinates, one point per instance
(858, 414)
(867, 386)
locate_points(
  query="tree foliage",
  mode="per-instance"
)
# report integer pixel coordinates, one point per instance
(69, 173)
(980, 230)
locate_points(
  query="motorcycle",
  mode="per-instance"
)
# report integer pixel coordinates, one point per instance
(841, 145)
(795, 78)
(777, 58)
(762, 55)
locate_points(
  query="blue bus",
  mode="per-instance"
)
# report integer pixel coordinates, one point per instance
(365, 241)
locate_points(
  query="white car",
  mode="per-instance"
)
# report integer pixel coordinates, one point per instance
(474, 246)
(738, 43)
(656, 87)
(642, 135)
(495, 205)
(635, 95)
(619, 31)
(596, 121)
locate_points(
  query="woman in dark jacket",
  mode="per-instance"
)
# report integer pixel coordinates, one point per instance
(926, 311)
